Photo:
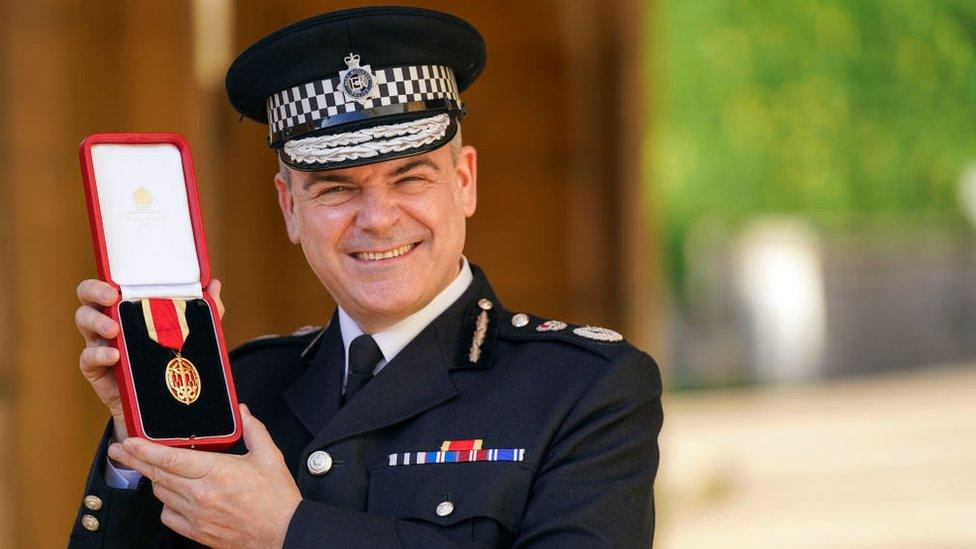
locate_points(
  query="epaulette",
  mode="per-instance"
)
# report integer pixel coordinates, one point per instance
(300, 337)
(525, 327)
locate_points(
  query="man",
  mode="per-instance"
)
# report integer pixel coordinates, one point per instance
(424, 414)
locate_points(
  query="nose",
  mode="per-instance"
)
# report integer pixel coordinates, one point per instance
(378, 211)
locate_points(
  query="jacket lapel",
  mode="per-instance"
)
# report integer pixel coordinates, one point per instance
(416, 380)
(315, 396)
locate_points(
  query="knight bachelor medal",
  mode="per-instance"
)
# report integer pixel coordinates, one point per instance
(166, 325)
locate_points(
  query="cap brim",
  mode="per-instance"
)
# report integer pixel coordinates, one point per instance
(449, 134)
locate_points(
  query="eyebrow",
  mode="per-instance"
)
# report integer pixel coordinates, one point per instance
(329, 177)
(404, 168)
(326, 177)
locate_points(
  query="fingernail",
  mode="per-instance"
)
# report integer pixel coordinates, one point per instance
(127, 443)
(108, 294)
(106, 326)
(115, 450)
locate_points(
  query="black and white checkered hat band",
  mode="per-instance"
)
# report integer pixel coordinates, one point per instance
(309, 106)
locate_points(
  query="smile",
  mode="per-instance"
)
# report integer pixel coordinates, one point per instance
(389, 254)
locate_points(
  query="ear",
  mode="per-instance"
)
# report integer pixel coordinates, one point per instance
(467, 175)
(286, 201)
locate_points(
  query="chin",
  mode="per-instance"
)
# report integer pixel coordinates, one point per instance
(388, 310)
(391, 301)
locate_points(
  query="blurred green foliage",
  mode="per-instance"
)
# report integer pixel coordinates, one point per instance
(826, 108)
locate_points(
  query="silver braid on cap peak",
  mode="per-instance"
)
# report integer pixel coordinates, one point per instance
(367, 142)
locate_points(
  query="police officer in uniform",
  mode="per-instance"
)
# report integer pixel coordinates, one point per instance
(425, 414)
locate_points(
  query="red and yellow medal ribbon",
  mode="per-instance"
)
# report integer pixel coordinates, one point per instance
(166, 322)
(166, 325)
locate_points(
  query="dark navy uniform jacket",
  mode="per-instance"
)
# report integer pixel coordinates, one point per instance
(587, 414)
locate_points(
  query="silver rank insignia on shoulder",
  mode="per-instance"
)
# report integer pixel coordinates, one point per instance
(520, 319)
(598, 333)
(480, 330)
(305, 330)
(358, 83)
(551, 326)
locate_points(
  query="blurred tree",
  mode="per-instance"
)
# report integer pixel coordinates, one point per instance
(832, 109)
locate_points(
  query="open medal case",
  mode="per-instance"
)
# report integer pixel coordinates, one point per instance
(149, 242)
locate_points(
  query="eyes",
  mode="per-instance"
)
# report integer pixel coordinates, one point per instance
(332, 193)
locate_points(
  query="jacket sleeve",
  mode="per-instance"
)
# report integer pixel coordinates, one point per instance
(594, 488)
(124, 517)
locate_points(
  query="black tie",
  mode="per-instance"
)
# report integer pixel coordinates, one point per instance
(364, 355)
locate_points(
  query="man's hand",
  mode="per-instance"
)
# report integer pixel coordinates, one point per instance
(216, 499)
(98, 357)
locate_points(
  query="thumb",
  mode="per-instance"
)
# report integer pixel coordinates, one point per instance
(256, 437)
(214, 290)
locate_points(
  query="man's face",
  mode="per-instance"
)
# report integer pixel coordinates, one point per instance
(384, 238)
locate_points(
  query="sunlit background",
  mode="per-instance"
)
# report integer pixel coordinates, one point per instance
(776, 198)
(814, 163)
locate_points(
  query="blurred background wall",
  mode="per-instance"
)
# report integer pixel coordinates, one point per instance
(776, 199)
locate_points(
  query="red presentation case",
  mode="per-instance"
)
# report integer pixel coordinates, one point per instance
(148, 237)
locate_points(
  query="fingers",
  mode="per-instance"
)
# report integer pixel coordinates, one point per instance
(177, 522)
(189, 464)
(96, 292)
(214, 290)
(256, 437)
(93, 323)
(172, 499)
(96, 360)
(157, 475)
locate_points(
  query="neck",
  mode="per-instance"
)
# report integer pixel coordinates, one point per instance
(372, 322)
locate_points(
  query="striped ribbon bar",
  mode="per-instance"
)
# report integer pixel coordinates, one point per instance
(457, 456)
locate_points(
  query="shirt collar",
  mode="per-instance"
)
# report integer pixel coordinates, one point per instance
(393, 339)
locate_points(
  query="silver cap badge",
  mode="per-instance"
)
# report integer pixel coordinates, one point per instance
(358, 83)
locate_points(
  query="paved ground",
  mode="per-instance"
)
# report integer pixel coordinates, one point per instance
(880, 462)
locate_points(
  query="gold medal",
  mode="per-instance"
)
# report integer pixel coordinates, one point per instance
(166, 325)
(183, 380)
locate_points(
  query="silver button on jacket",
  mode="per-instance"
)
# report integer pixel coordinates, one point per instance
(444, 508)
(319, 463)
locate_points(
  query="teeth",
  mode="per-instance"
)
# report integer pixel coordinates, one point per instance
(373, 256)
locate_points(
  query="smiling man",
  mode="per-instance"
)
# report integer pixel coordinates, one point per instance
(424, 414)
(383, 238)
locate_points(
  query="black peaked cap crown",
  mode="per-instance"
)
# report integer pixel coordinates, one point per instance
(384, 36)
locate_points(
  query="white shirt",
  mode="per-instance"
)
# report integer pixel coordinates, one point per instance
(390, 341)
(393, 339)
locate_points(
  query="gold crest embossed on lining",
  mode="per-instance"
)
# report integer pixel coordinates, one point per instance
(183, 380)
(142, 197)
